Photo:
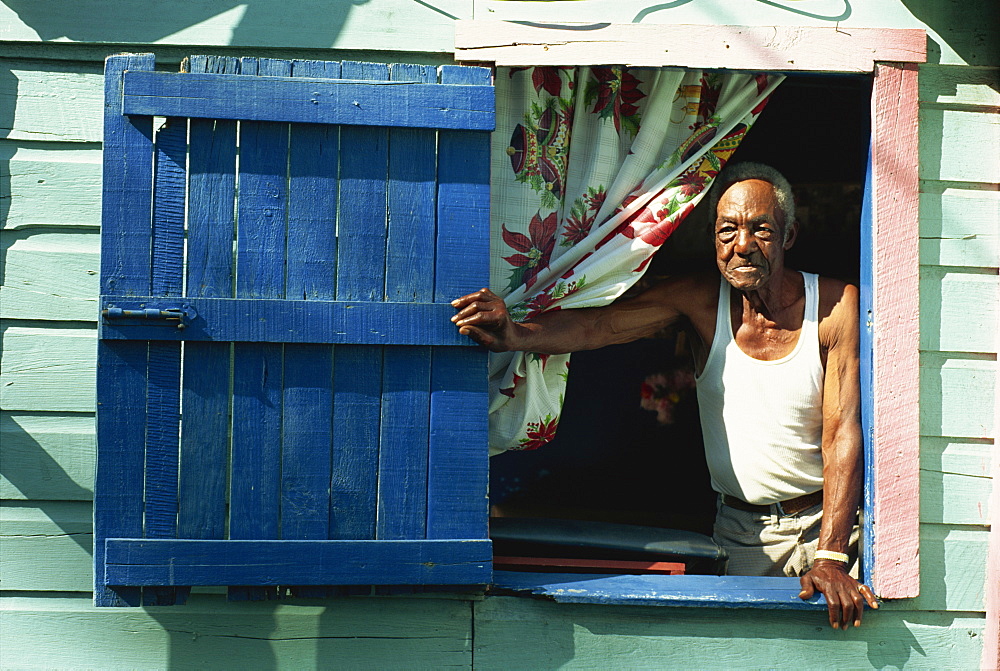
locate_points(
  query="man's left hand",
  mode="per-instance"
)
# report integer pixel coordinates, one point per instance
(845, 596)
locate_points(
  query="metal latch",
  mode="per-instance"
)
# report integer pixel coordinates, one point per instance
(169, 315)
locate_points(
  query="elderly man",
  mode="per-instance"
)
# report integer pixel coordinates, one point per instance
(778, 386)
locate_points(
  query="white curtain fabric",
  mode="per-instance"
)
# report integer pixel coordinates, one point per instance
(593, 169)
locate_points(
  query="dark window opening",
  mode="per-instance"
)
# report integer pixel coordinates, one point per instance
(614, 461)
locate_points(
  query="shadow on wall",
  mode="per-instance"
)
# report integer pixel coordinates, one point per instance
(968, 26)
(8, 94)
(257, 22)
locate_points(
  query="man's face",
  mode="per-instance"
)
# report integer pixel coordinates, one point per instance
(749, 235)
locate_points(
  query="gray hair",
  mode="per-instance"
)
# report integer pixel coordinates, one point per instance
(740, 172)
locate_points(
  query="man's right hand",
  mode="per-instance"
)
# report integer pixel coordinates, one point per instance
(483, 316)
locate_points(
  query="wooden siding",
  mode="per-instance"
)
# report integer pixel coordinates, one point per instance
(589, 637)
(959, 289)
(50, 209)
(208, 633)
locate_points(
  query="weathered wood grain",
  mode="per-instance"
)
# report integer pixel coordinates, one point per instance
(657, 638)
(958, 310)
(308, 100)
(47, 457)
(786, 48)
(956, 396)
(51, 101)
(210, 633)
(163, 561)
(49, 275)
(951, 142)
(958, 226)
(50, 183)
(48, 369)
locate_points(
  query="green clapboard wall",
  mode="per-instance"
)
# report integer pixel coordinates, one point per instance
(51, 109)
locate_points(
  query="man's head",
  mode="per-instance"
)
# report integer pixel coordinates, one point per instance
(754, 224)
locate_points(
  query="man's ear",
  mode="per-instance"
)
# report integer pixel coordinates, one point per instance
(791, 233)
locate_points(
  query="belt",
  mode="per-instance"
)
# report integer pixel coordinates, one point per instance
(789, 507)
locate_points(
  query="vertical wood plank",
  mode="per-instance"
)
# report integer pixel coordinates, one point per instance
(170, 185)
(202, 499)
(402, 476)
(211, 214)
(163, 395)
(257, 375)
(409, 268)
(121, 380)
(463, 201)
(895, 307)
(254, 489)
(458, 469)
(205, 438)
(307, 401)
(356, 400)
(361, 225)
(361, 228)
(458, 463)
(409, 277)
(128, 181)
(312, 203)
(311, 272)
(260, 245)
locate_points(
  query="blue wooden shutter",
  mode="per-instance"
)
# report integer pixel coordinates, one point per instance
(282, 400)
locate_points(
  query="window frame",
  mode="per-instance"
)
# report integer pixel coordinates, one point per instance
(889, 279)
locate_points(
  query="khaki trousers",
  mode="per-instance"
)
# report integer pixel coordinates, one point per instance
(773, 544)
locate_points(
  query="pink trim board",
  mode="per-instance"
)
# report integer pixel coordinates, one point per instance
(781, 48)
(896, 332)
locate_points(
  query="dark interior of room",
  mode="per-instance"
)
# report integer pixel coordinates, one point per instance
(612, 460)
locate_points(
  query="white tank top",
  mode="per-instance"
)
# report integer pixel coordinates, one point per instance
(762, 421)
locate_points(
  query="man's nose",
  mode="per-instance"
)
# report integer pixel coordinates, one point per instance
(745, 242)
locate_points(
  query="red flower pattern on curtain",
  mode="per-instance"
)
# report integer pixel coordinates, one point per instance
(650, 147)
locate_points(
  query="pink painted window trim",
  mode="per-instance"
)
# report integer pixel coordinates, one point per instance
(891, 55)
(895, 567)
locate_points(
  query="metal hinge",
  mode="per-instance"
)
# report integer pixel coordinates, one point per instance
(170, 316)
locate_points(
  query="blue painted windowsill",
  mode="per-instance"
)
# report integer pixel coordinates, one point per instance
(658, 590)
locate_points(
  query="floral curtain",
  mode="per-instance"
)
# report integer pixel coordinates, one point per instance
(593, 169)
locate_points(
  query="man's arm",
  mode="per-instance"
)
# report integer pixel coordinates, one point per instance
(483, 317)
(842, 462)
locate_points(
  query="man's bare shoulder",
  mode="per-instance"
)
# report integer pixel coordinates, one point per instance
(838, 308)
